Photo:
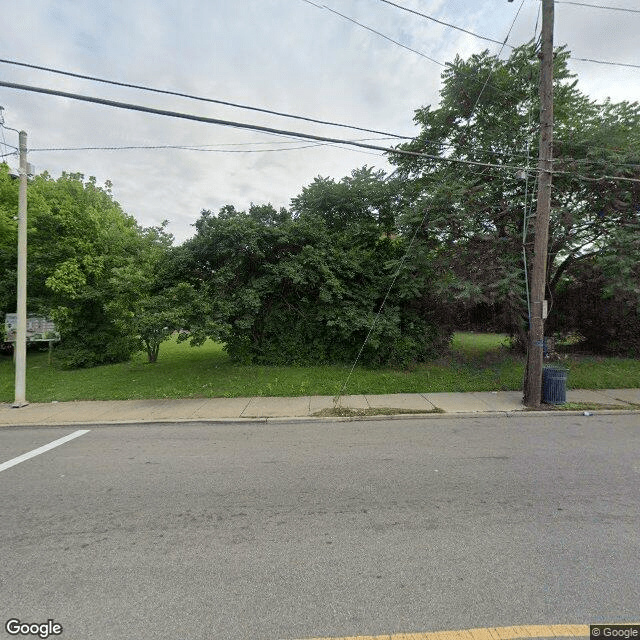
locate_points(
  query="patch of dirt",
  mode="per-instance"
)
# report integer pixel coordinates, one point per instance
(345, 412)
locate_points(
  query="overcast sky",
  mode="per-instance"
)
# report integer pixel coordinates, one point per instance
(284, 55)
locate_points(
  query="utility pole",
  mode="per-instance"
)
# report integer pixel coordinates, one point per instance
(21, 329)
(533, 382)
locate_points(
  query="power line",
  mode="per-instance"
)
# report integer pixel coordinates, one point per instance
(596, 179)
(206, 148)
(184, 148)
(382, 35)
(597, 6)
(504, 44)
(613, 64)
(442, 22)
(581, 143)
(204, 99)
(514, 155)
(194, 97)
(193, 147)
(271, 130)
(3, 141)
(241, 125)
(175, 147)
(403, 46)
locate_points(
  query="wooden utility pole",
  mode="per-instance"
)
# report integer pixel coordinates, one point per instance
(533, 381)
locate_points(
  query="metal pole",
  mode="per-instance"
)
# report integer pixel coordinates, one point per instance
(21, 329)
(533, 383)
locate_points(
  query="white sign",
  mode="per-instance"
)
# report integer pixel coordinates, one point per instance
(38, 329)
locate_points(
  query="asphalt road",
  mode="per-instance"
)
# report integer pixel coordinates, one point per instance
(270, 531)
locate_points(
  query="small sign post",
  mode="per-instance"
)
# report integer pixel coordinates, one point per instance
(38, 329)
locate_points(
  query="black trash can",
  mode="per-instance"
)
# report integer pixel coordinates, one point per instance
(554, 385)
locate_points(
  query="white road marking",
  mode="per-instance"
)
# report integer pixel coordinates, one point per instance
(39, 450)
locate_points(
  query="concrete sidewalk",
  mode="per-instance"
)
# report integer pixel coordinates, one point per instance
(259, 408)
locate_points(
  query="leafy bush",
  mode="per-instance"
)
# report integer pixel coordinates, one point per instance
(79, 240)
(77, 354)
(306, 287)
(607, 317)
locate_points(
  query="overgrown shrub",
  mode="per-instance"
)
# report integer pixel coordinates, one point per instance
(306, 288)
(607, 317)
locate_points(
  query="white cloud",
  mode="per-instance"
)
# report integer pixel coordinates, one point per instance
(285, 55)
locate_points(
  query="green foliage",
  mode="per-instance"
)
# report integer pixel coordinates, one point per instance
(476, 213)
(306, 287)
(78, 238)
(476, 363)
(8, 240)
(148, 304)
(595, 303)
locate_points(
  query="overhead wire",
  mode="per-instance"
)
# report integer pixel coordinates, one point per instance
(502, 46)
(527, 214)
(597, 6)
(477, 35)
(606, 62)
(3, 140)
(173, 147)
(379, 33)
(199, 149)
(175, 93)
(270, 130)
(189, 96)
(336, 399)
(235, 124)
(442, 22)
(196, 147)
(205, 148)
(403, 46)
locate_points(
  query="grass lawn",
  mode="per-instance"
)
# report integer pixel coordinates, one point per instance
(477, 362)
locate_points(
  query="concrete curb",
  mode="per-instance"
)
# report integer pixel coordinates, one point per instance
(321, 419)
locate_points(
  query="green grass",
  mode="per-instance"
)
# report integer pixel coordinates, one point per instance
(587, 406)
(477, 362)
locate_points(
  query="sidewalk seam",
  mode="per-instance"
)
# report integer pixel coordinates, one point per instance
(246, 407)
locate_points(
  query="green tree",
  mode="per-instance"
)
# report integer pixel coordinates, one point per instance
(77, 235)
(599, 297)
(307, 287)
(476, 209)
(147, 300)
(8, 241)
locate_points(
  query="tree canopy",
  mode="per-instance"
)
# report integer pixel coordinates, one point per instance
(79, 239)
(382, 263)
(479, 195)
(306, 286)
